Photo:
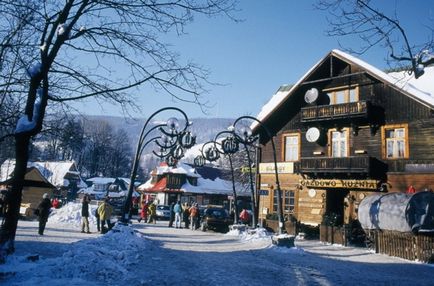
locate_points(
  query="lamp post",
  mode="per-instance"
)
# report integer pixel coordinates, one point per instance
(244, 136)
(229, 146)
(172, 125)
(213, 154)
(246, 139)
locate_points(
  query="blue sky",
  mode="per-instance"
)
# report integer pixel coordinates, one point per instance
(275, 44)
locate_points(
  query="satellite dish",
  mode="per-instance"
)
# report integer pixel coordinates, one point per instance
(313, 134)
(311, 95)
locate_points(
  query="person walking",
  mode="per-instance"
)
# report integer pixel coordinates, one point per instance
(43, 211)
(105, 211)
(144, 212)
(172, 214)
(85, 214)
(98, 220)
(177, 209)
(194, 214)
(186, 215)
(152, 211)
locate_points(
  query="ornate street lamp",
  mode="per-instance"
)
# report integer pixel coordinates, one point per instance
(171, 135)
(228, 147)
(244, 134)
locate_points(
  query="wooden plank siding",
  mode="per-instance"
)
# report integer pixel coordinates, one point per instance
(386, 106)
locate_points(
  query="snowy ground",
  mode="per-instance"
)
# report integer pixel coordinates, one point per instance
(145, 254)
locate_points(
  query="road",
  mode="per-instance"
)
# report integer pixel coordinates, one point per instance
(209, 258)
(185, 257)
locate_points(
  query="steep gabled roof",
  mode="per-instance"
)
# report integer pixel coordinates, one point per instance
(421, 90)
(55, 172)
(33, 178)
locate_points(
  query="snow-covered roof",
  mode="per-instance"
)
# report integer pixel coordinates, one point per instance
(101, 180)
(54, 171)
(204, 186)
(217, 186)
(181, 168)
(420, 89)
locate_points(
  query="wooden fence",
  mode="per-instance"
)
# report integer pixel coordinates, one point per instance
(405, 245)
(332, 234)
(399, 244)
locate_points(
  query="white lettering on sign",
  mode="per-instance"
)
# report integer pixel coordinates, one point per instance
(282, 168)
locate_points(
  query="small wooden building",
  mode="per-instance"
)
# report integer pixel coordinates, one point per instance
(35, 186)
(344, 131)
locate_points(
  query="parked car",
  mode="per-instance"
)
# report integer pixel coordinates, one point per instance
(163, 212)
(216, 218)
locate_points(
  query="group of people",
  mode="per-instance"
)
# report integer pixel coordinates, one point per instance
(184, 213)
(148, 212)
(102, 214)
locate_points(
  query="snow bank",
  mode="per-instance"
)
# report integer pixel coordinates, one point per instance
(109, 258)
(251, 234)
(71, 214)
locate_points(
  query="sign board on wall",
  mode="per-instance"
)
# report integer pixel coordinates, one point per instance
(282, 168)
(341, 184)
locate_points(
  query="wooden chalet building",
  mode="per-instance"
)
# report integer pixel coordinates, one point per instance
(186, 184)
(345, 130)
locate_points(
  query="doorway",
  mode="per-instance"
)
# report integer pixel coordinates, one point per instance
(335, 205)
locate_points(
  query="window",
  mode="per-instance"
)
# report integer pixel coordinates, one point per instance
(291, 147)
(288, 201)
(338, 96)
(395, 142)
(339, 143)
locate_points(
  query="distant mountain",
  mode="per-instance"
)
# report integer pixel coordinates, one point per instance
(204, 128)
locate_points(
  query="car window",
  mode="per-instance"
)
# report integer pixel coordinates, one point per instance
(216, 212)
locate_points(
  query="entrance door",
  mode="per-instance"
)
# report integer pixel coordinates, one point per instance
(335, 204)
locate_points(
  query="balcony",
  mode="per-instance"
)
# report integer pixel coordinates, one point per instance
(350, 110)
(355, 164)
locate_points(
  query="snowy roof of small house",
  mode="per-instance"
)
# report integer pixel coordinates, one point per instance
(421, 89)
(204, 185)
(54, 171)
(181, 168)
(101, 180)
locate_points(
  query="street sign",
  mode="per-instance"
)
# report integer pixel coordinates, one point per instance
(263, 192)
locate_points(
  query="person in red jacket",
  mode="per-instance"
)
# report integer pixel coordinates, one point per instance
(144, 212)
(245, 216)
(55, 203)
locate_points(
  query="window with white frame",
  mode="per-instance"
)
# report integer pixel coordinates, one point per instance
(339, 146)
(288, 201)
(291, 148)
(395, 142)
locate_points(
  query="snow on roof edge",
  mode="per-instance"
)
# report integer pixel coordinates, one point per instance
(271, 105)
(279, 97)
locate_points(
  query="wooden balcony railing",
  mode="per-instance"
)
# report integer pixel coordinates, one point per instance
(356, 164)
(335, 111)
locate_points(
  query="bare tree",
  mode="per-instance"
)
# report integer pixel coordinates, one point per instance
(361, 18)
(75, 49)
